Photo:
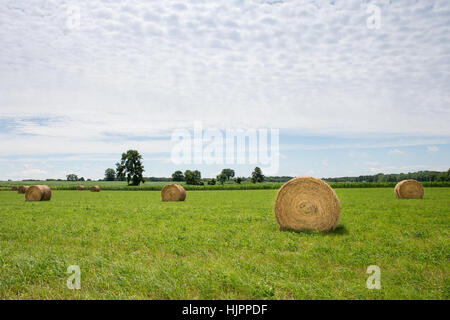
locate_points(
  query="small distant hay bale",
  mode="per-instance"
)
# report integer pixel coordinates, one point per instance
(38, 193)
(95, 189)
(80, 188)
(14, 188)
(173, 192)
(307, 203)
(22, 189)
(409, 189)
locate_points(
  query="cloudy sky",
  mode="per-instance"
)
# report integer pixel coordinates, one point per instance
(354, 86)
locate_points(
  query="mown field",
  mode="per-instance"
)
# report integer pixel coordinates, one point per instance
(156, 186)
(221, 245)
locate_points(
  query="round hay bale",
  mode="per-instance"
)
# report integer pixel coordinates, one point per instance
(173, 192)
(22, 189)
(396, 190)
(14, 188)
(95, 189)
(80, 188)
(38, 193)
(409, 189)
(307, 203)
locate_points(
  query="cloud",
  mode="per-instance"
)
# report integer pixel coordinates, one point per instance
(396, 152)
(140, 68)
(432, 149)
(28, 173)
(217, 60)
(354, 154)
(372, 163)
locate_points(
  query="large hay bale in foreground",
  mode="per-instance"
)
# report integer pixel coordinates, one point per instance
(307, 203)
(38, 193)
(409, 189)
(173, 192)
(80, 188)
(22, 189)
(95, 189)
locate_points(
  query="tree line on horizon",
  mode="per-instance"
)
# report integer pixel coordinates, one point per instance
(422, 176)
(227, 175)
(131, 169)
(195, 175)
(178, 176)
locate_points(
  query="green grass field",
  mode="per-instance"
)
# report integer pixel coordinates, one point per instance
(221, 245)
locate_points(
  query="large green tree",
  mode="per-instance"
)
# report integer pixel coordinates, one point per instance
(110, 174)
(257, 175)
(193, 177)
(131, 168)
(221, 178)
(229, 173)
(72, 177)
(178, 176)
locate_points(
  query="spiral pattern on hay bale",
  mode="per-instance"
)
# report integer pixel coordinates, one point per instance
(80, 188)
(307, 203)
(409, 189)
(38, 193)
(22, 189)
(173, 192)
(95, 189)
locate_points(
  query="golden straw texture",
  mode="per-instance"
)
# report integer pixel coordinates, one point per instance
(95, 189)
(396, 190)
(38, 193)
(307, 203)
(409, 189)
(80, 188)
(173, 192)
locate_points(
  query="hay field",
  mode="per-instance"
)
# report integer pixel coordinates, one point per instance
(221, 245)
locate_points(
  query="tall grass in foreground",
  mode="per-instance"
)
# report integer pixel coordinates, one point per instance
(221, 245)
